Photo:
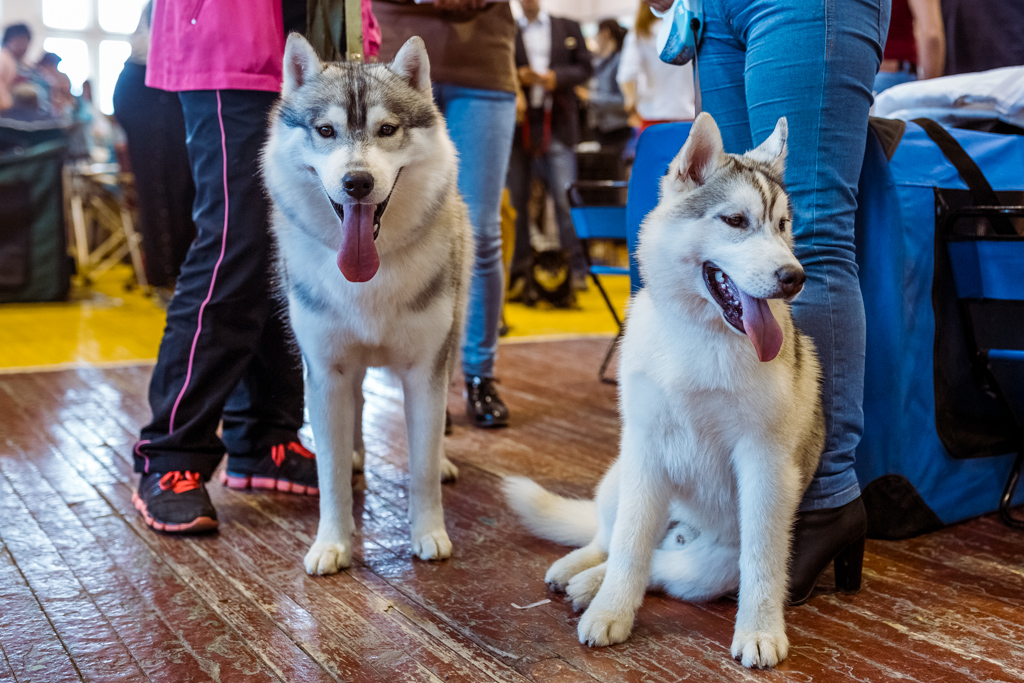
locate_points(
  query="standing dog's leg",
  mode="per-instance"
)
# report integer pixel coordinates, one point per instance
(425, 394)
(329, 395)
(768, 489)
(640, 521)
(358, 448)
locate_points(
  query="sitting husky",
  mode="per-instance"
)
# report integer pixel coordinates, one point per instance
(722, 421)
(374, 254)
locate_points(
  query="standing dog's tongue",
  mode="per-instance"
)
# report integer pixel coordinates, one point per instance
(761, 326)
(358, 258)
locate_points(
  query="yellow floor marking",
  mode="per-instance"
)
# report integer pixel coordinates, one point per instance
(108, 325)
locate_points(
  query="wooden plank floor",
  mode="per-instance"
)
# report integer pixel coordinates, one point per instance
(87, 592)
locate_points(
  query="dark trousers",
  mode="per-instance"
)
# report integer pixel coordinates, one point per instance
(225, 352)
(155, 128)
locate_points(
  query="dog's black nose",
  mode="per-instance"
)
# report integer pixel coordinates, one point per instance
(791, 279)
(357, 185)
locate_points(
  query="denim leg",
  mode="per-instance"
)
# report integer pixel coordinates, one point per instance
(815, 65)
(520, 175)
(481, 124)
(560, 167)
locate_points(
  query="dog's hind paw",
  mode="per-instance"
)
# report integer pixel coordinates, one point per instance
(601, 627)
(432, 546)
(583, 587)
(328, 558)
(449, 472)
(760, 649)
(580, 560)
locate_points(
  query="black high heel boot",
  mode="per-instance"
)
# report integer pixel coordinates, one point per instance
(824, 536)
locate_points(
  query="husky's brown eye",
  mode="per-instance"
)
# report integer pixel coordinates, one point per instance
(387, 130)
(325, 131)
(737, 220)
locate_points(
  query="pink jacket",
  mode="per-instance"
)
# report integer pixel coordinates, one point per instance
(225, 44)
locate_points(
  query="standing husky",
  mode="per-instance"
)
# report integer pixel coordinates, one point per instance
(722, 422)
(374, 249)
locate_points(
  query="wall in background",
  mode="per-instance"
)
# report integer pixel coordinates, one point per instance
(91, 37)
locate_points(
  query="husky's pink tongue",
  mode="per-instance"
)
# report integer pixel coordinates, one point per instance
(358, 258)
(761, 326)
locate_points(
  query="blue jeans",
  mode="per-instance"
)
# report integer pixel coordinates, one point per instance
(886, 79)
(481, 124)
(557, 168)
(814, 63)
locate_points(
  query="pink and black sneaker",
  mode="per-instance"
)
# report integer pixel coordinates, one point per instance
(175, 502)
(289, 467)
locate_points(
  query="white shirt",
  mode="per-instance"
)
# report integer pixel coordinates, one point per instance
(537, 41)
(664, 92)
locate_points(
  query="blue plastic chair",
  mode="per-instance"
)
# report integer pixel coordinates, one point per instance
(988, 275)
(655, 150)
(599, 221)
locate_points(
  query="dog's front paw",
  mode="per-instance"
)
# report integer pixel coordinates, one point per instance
(449, 472)
(432, 546)
(760, 649)
(358, 460)
(583, 587)
(328, 558)
(600, 627)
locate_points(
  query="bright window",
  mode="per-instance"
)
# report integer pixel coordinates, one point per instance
(74, 55)
(120, 16)
(113, 54)
(67, 15)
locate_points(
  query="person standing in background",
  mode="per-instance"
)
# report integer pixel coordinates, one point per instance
(983, 34)
(655, 92)
(58, 86)
(606, 106)
(916, 46)
(470, 44)
(13, 47)
(155, 128)
(551, 60)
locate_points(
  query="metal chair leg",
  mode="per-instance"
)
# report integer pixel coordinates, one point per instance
(607, 360)
(1009, 519)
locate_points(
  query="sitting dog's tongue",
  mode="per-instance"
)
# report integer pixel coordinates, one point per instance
(358, 258)
(761, 326)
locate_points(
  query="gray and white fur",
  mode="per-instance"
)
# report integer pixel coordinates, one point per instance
(378, 124)
(720, 436)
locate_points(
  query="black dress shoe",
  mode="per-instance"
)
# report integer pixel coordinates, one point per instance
(483, 405)
(824, 536)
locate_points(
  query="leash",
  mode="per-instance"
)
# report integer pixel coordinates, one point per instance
(697, 104)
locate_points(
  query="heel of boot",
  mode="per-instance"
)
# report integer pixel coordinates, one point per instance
(848, 565)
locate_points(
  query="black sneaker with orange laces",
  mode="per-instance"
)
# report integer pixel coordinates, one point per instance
(175, 502)
(289, 467)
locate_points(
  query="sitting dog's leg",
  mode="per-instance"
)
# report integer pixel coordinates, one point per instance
(644, 490)
(358, 448)
(583, 587)
(579, 560)
(769, 491)
(425, 394)
(329, 397)
(696, 571)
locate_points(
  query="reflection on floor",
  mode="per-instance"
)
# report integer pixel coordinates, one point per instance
(110, 325)
(87, 592)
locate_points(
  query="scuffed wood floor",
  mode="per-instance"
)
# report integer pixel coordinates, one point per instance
(87, 592)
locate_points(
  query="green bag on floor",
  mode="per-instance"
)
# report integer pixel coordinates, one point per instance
(34, 263)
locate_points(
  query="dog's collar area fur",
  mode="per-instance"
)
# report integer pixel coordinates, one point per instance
(378, 212)
(725, 293)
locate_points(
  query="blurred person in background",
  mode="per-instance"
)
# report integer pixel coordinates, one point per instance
(606, 106)
(471, 46)
(655, 92)
(154, 125)
(551, 60)
(57, 85)
(983, 34)
(916, 46)
(13, 68)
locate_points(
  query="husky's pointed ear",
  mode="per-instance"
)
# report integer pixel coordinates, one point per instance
(702, 154)
(300, 63)
(773, 150)
(411, 64)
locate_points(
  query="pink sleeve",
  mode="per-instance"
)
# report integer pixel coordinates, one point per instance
(371, 32)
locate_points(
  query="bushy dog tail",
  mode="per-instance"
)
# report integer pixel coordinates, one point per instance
(568, 521)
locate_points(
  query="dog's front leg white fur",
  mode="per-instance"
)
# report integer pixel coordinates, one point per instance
(329, 395)
(639, 524)
(425, 399)
(768, 497)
